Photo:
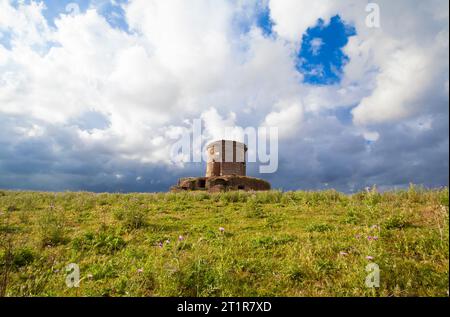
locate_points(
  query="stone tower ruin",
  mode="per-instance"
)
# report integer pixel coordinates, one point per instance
(226, 158)
(225, 170)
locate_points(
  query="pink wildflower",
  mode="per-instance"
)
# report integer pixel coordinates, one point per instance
(342, 253)
(222, 229)
(369, 257)
(180, 238)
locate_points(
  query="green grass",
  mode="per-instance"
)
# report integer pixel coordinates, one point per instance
(274, 244)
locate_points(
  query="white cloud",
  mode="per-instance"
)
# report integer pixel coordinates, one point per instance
(316, 44)
(371, 136)
(26, 25)
(287, 118)
(215, 125)
(394, 66)
(292, 17)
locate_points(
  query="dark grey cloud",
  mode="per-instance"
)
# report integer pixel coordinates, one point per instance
(327, 153)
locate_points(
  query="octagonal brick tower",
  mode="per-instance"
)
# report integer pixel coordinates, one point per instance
(225, 170)
(225, 158)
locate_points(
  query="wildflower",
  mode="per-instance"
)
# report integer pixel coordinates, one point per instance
(56, 271)
(167, 241)
(90, 276)
(342, 253)
(140, 270)
(222, 229)
(159, 244)
(180, 238)
(369, 257)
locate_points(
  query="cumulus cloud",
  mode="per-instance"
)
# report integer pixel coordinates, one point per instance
(82, 100)
(287, 119)
(292, 18)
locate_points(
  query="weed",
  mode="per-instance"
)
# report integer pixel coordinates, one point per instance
(397, 222)
(319, 227)
(52, 230)
(103, 242)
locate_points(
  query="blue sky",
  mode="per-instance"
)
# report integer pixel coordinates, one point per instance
(264, 21)
(111, 10)
(323, 63)
(89, 105)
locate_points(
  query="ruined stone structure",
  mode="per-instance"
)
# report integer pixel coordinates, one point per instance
(226, 158)
(225, 170)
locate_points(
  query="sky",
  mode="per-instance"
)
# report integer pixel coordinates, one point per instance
(93, 93)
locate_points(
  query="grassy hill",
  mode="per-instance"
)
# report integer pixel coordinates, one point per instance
(225, 244)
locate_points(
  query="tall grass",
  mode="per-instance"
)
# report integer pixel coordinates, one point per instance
(269, 243)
